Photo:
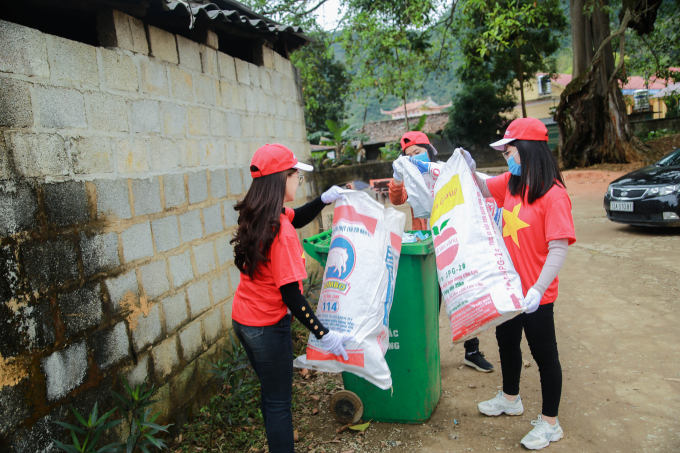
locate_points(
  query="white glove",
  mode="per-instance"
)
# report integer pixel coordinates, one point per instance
(397, 176)
(331, 195)
(333, 341)
(532, 300)
(468, 159)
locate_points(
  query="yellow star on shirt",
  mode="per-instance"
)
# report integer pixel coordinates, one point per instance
(513, 223)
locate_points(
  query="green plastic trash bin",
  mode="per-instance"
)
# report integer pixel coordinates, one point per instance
(413, 354)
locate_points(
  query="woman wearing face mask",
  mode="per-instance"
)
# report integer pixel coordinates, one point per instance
(417, 147)
(269, 255)
(537, 228)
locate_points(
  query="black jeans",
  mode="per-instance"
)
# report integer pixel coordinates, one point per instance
(539, 328)
(472, 345)
(270, 350)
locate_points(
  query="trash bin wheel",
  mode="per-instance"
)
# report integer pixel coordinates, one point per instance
(346, 407)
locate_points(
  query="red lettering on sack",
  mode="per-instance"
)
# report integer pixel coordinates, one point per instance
(350, 215)
(473, 316)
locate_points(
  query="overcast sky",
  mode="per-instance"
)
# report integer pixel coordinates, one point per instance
(328, 15)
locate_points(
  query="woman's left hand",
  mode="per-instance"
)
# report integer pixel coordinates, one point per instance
(532, 300)
(331, 195)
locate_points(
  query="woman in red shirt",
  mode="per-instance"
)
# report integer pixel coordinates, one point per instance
(537, 228)
(272, 264)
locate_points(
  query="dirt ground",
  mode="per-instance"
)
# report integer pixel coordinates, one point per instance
(617, 328)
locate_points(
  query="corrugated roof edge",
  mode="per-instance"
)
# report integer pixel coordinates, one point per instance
(211, 11)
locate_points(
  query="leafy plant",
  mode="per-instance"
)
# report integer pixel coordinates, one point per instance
(92, 429)
(136, 410)
(390, 151)
(340, 138)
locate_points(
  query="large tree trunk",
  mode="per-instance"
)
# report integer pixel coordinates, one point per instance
(592, 117)
(520, 79)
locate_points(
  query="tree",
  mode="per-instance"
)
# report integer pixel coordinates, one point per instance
(325, 82)
(592, 116)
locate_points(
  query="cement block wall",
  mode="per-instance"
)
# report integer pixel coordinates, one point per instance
(119, 170)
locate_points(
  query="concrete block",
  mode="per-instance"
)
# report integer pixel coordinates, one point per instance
(234, 277)
(191, 341)
(234, 125)
(281, 108)
(162, 44)
(175, 311)
(146, 329)
(225, 251)
(235, 181)
(276, 83)
(213, 325)
(268, 57)
(212, 217)
(164, 153)
(112, 199)
(111, 346)
(238, 97)
(280, 129)
(242, 71)
(174, 118)
(113, 29)
(198, 187)
(145, 116)
(225, 95)
(23, 50)
(230, 214)
(254, 75)
(49, 263)
(14, 405)
(247, 177)
(181, 84)
(249, 125)
(165, 358)
(80, 309)
(227, 67)
(217, 124)
(220, 288)
(211, 40)
(173, 186)
(120, 71)
(100, 252)
(204, 255)
(139, 373)
(139, 41)
(199, 300)
(218, 184)
(5, 170)
(91, 155)
(209, 63)
(166, 233)
(265, 79)
(61, 107)
(269, 126)
(155, 279)
(132, 155)
(73, 61)
(154, 77)
(64, 370)
(189, 53)
(66, 203)
(147, 195)
(123, 291)
(180, 268)
(137, 242)
(15, 104)
(251, 99)
(190, 225)
(189, 153)
(199, 121)
(209, 152)
(107, 112)
(27, 325)
(263, 103)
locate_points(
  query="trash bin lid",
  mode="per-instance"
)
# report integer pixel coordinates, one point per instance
(321, 244)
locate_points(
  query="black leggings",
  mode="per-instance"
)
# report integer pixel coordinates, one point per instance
(540, 332)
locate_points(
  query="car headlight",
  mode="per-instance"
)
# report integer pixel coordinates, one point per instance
(610, 189)
(662, 191)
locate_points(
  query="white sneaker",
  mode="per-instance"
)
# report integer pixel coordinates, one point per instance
(499, 405)
(543, 433)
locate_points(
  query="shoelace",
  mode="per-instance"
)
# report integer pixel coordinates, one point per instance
(540, 424)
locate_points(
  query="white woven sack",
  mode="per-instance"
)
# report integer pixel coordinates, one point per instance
(419, 187)
(480, 286)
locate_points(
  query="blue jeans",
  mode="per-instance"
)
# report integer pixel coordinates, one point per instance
(270, 350)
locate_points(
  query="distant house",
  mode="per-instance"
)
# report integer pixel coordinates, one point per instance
(415, 109)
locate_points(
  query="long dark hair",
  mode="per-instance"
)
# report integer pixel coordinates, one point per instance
(258, 220)
(539, 170)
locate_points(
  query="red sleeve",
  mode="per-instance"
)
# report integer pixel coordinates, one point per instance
(286, 261)
(558, 221)
(397, 193)
(290, 213)
(498, 186)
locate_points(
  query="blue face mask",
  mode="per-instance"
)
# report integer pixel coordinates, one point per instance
(515, 169)
(423, 157)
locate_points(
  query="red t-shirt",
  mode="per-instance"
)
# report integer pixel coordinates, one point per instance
(257, 301)
(527, 229)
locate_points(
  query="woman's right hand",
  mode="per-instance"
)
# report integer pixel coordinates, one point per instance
(333, 341)
(398, 178)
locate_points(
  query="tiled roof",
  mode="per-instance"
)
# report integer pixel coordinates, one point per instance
(392, 130)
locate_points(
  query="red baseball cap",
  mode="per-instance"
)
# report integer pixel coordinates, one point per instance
(270, 159)
(413, 138)
(523, 129)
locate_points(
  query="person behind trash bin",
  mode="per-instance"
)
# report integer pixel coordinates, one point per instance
(269, 255)
(537, 229)
(416, 145)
